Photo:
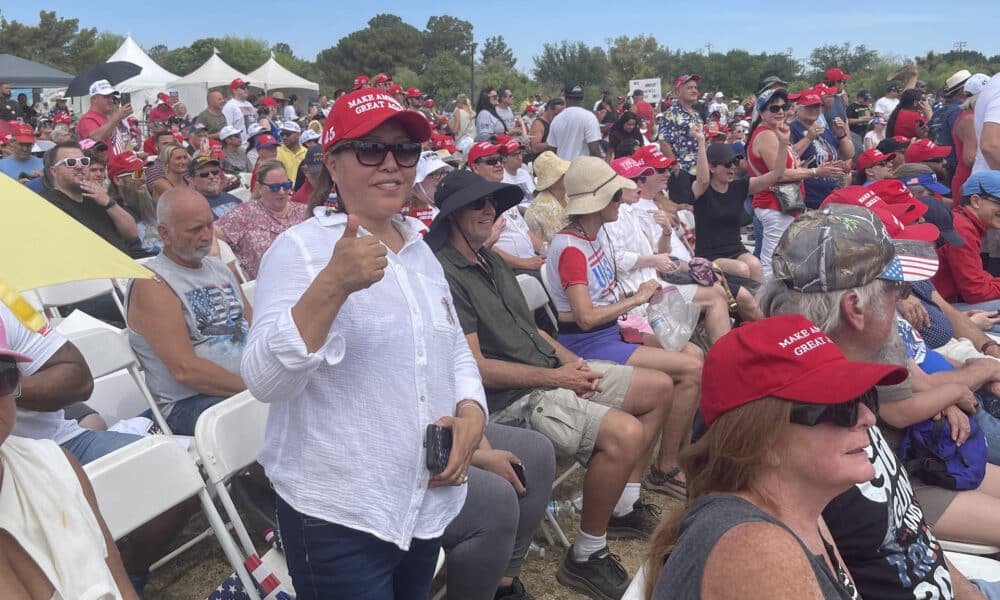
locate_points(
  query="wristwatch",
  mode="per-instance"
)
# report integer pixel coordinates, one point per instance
(111, 205)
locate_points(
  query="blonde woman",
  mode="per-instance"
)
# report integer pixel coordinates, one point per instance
(462, 121)
(174, 159)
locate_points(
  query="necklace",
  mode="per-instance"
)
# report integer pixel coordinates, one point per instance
(613, 287)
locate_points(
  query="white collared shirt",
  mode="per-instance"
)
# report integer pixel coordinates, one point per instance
(345, 433)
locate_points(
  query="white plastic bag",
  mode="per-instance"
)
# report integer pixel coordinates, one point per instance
(673, 320)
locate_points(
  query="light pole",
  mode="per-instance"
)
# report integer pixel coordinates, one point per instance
(472, 72)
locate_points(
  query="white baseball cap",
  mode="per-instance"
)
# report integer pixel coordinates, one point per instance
(101, 87)
(974, 84)
(719, 95)
(254, 129)
(228, 131)
(429, 162)
(291, 126)
(307, 136)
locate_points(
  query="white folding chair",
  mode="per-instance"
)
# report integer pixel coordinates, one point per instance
(544, 272)
(248, 289)
(975, 567)
(967, 548)
(536, 296)
(54, 296)
(107, 351)
(227, 256)
(142, 480)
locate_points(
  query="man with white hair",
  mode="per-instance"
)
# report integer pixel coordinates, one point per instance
(189, 325)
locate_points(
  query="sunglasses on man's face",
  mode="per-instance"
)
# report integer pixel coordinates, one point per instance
(275, 187)
(73, 162)
(490, 160)
(845, 414)
(9, 376)
(372, 154)
(214, 173)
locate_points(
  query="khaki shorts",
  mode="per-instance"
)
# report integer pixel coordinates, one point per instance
(570, 422)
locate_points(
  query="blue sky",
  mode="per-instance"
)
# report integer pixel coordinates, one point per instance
(526, 26)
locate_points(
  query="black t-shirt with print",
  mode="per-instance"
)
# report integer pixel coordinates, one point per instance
(857, 110)
(881, 533)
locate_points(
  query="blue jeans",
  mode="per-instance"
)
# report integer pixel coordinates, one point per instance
(991, 431)
(327, 560)
(989, 589)
(91, 444)
(989, 305)
(184, 413)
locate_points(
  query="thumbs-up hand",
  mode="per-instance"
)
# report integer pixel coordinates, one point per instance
(357, 262)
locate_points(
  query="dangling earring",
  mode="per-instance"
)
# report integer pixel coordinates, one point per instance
(332, 203)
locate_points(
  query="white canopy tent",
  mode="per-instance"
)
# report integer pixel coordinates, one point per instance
(272, 76)
(146, 85)
(193, 87)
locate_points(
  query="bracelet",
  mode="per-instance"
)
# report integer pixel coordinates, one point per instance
(987, 345)
(458, 408)
(840, 137)
(814, 172)
(111, 205)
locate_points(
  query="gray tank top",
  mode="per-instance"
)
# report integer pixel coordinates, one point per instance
(709, 520)
(213, 311)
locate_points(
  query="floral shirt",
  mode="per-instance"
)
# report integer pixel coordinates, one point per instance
(545, 216)
(251, 229)
(675, 128)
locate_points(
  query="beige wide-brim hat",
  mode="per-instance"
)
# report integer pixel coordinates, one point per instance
(548, 169)
(591, 183)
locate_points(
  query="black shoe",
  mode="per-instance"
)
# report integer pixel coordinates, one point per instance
(601, 576)
(516, 591)
(640, 523)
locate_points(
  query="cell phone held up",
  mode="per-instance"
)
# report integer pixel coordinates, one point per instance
(437, 442)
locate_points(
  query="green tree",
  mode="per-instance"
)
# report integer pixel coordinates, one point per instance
(633, 58)
(447, 34)
(386, 45)
(57, 42)
(444, 78)
(852, 60)
(572, 61)
(495, 49)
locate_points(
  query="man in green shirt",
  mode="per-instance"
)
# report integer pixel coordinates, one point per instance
(607, 416)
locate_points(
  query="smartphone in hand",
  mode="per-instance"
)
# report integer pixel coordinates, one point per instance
(437, 442)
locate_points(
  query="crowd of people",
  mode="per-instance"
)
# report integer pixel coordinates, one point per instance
(835, 256)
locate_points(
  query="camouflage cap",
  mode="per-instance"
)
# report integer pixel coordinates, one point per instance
(838, 247)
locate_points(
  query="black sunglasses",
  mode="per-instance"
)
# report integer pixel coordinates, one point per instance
(372, 154)
(9, 377)
(733, 163)
(845, 414)
(491, 161)
(211, 173)
(777, 108)
(480, 203)
(274, 187)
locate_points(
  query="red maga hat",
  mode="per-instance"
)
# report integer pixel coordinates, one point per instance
(359, 112)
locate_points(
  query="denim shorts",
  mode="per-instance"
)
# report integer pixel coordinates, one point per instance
(92, 444)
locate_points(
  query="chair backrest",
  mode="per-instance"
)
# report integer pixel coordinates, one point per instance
(535, 295)
(142, 480)
(77, 291)
(105, 350)
(544, 272)
(229, 434)
(227, 256)
(248, 289)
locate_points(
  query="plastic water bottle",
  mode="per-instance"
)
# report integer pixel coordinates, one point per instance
(561, 507)
(535, 549)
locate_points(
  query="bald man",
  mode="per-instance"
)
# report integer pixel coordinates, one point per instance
(212, 116)
(188, 327)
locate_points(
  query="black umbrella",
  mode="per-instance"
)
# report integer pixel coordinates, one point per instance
(115, 72)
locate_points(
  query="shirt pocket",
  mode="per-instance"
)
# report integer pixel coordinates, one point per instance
(438, 307)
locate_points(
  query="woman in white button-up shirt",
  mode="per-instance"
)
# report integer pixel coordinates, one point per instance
(357, 347)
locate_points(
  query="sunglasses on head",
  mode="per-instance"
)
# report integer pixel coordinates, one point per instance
(480, 203)
(274, 187)
(777, 108)
(845, 414)
(215, 172)
(9, 377)
(490, 160)
(372, 154)
(72, 162)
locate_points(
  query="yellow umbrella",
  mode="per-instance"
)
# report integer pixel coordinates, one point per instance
(41, 245)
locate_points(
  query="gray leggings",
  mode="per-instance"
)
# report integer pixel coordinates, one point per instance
(489, 538)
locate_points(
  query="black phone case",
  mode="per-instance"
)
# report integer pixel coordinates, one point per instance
(438, 444)
(519, 471)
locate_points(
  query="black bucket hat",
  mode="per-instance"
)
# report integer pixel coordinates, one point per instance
(459, 189)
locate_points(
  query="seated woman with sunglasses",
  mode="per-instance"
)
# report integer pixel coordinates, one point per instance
(787, 418)
(357, 347)
(55, 543)
(718, 204)
(583, 281)
(252, 227)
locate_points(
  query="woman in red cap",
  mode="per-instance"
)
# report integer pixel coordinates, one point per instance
(376, 401)
(786, 434)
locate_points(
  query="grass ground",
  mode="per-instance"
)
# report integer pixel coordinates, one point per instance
(196, 573)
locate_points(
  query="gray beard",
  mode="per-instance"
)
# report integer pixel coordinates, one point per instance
(892, 352)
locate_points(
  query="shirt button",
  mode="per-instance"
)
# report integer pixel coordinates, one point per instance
(420, 353)
(423, 398)
(539, 409)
